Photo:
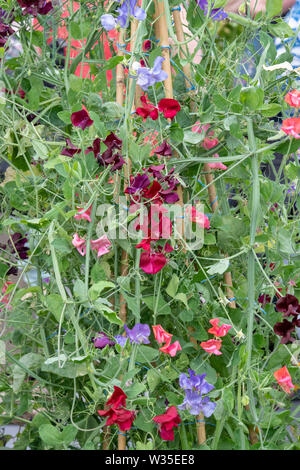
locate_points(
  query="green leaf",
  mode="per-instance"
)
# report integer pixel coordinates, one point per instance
(40, 149)
(153, 379)
(191, 137)
(135, 390)
(252, 97)
(173, 286)
(55, 304)
(270, 110)
(146, 354)
(162, 307)
(113, 62)
(182, 297)
(218, 268)
(228, 399)
(65, 116)
(96, 289)
(143, 446)
(68, 434)
(31, 361)
(76, 83)
(61, 245)
(50, 435)
(273, 8)
(281, 29)
(79, 290)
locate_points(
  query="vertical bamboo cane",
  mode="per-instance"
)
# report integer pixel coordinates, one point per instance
(120, 83)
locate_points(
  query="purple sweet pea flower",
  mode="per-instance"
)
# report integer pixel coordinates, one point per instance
(121, 340)
(195, 404)
(195, 386)
(127, 9)
(102, 340)
(108, 22)
(140, 182)
(139, 333)
(147, 77)
(217, 14)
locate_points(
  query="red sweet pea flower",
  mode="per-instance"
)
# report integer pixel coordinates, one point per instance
(147, 45)
(117, 399)
(212, 346)
(81, 119)
(152, 263)
(284, 379)
(167, 422)
(147, 110)
(291, 126)
(217, 330)
(169, 107)
(293, 98)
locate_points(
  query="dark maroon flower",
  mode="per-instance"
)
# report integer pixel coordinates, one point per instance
(264, 299)
(95, 148)
(156, 171)
(17, 244)
(113, 142)
(147, 45)
(163, 149)
(289, 305)
(118, 162)
(169, 107)
(102, 340)
(81, 119)
(34, 7)
(138, 183)
(70, 150)
(5, 32)
(12, 271)
(284, 329)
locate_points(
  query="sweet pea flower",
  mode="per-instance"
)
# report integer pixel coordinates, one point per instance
(167, 422)
(79, 243)
(83, 215)
(139, 333)
(198, 217)
(147, 77)
(164, 149)
(102, 245)
(284, 379)
(289, 305)
(291, 126)
(171, 349)
(293, 98)
(70, 150)
(169, 107)
(127, 9)
(217, 330)
(121, 340)
(116, 412)
(102, 340)
(152, 263)
(161, 335)
(195, 386)
(139, 182)
(217, 165)
(217, 14)
(34, 7)
(81, 119)
(108, 22)
(212, 346)
(285, 329)
(147, 110)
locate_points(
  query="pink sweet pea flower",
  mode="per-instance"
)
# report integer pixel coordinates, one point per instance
(84, 215)
(152, 263)
(293, 98)
(198, 217)
(291, 126)
(217, 330)
(79, 243)
(102, 245)
(161, 335)
(284, 379)
(217, 165)
(171, 349)
(212, 346)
